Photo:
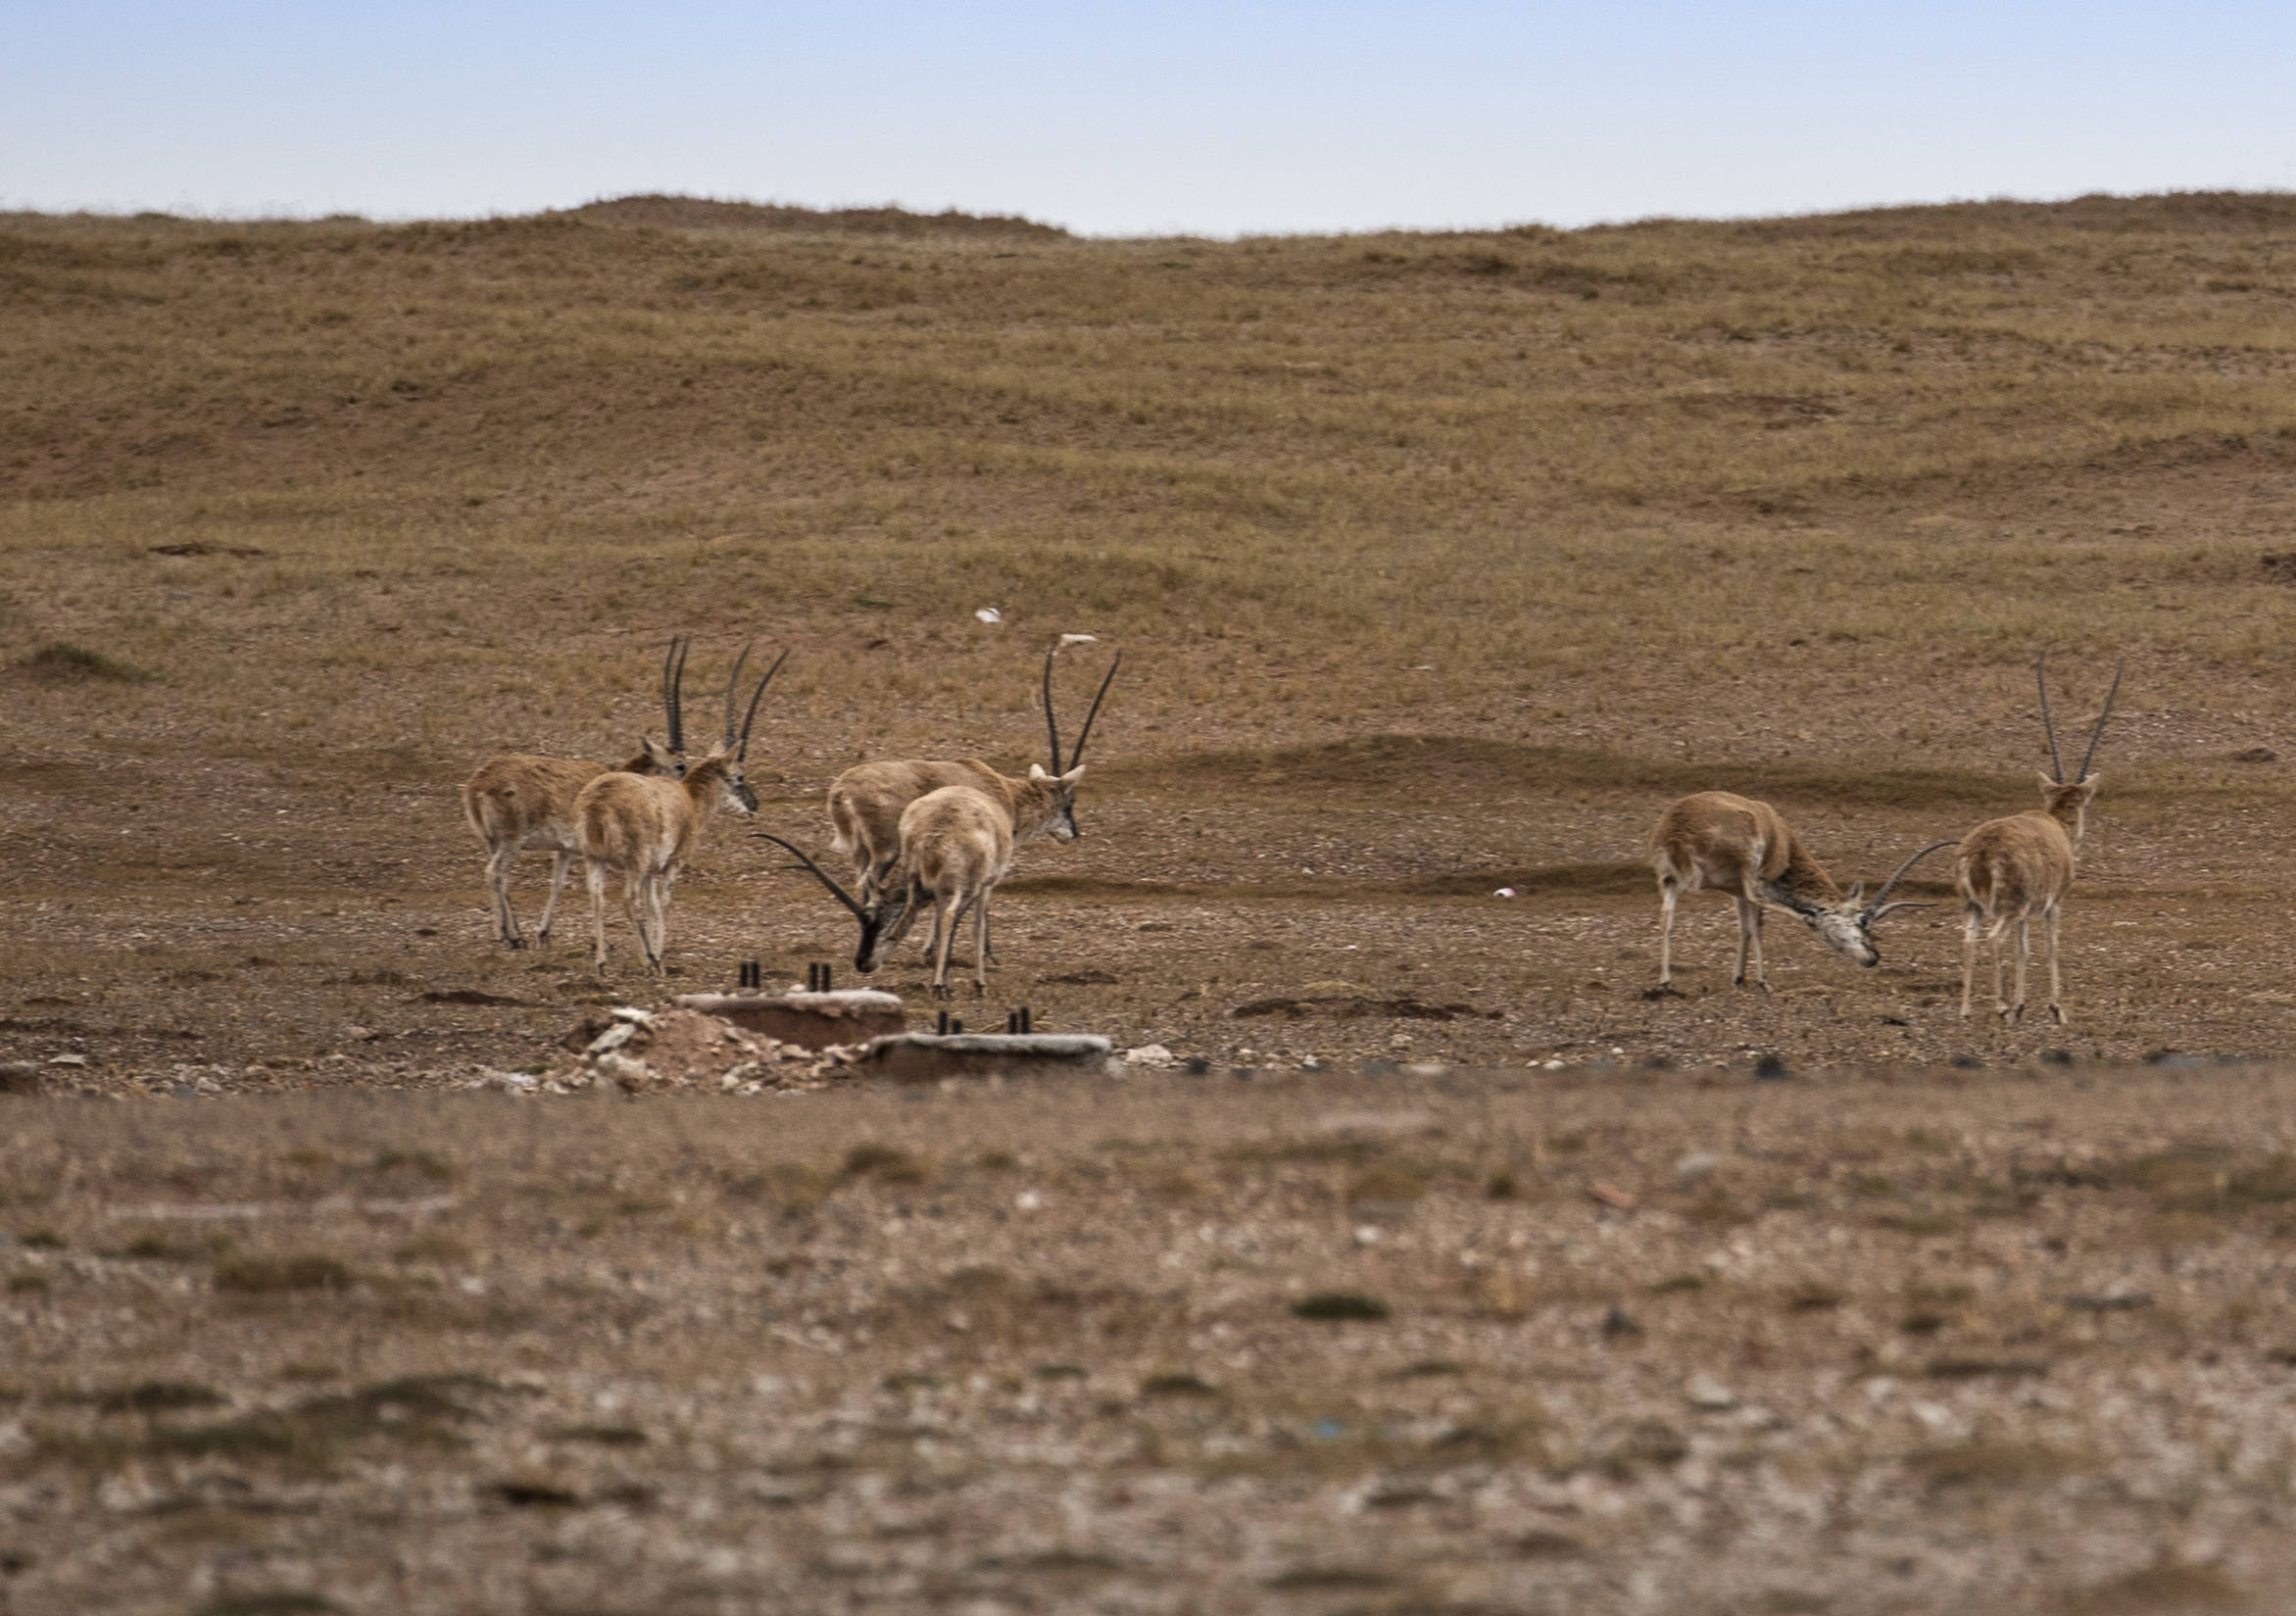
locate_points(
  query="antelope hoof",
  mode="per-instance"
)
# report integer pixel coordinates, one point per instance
(513, 944)
(2057, 1013)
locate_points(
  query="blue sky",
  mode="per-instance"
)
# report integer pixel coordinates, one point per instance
(1128, 118)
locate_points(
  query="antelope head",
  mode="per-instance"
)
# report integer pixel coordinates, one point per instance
(1060, 794)
(1064, 775)
(653, 757)
(1848, 926)
(735, 795)
(2068, 800)
(884, 921)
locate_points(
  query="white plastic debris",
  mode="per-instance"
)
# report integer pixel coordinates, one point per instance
(614, 1038)
(990, 614)
(632, 1014)
(1148, 1055)
(1504, 892)
(1080, 639)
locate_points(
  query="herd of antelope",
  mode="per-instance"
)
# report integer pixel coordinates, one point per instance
(943, 833)
(919, 831)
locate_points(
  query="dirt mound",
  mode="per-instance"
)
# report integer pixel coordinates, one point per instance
(642, 1051)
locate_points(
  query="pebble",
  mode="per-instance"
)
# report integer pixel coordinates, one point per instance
(1705, 1390)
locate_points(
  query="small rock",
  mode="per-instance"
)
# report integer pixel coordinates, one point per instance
(1148, 1055)
(1028, 1200)
(632, 1014)
(68, 1060)
(1770, 1069)
(2257, 754)
(1707, 1391)
(634, 1076)
(1367, 1234)
(1610, 1195)
(1618, 1324)
(614, 1038)
(22, 1077)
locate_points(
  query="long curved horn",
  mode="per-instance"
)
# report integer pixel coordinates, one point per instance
(1077, 755)
(2099, 734)
(1052, 724)
(673, 680)
(835, 891)
(743, 752)
(2056, 765)
(1878, 908)
(733, 682)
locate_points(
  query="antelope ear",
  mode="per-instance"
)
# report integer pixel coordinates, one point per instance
(1857, 895)
(1036, 771)
(1073, 775)
(2089, 785)
(2047, 783)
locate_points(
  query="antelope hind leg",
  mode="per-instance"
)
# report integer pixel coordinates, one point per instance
(562, 866)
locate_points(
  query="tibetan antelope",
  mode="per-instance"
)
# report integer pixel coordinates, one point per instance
(517, 801)
(867, 802)
(642, 829)
(1741, 847)
(2007, 869)
(955, 846)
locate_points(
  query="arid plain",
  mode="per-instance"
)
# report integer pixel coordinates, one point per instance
(1439, 564)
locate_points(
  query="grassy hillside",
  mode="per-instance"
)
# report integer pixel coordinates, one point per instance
(1534, 484)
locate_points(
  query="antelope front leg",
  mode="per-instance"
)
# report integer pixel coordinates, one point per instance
(634, 907)
(1968, 958)
(562, 866)
(498, 876)
(1667, 893)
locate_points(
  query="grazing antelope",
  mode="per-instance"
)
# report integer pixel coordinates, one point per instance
(955, 846)
(1741, 847)
(642, 829)
(867, 802)
(2009, 867)
(518, 801)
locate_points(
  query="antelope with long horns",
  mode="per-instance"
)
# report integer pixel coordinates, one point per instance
(2008, 868)
(518, 801)
(1745, 848)
(955, 846)
(867, 802)
(642, 829)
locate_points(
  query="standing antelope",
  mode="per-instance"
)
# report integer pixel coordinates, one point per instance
(2009, 867)
(866, 800)
(1741, 847)
(518, 801)
(955, 846)
(642, 829)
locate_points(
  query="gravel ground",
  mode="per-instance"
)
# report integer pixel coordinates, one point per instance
(1471, 1341)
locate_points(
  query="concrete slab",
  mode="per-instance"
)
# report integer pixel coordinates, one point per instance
(811, 1021)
